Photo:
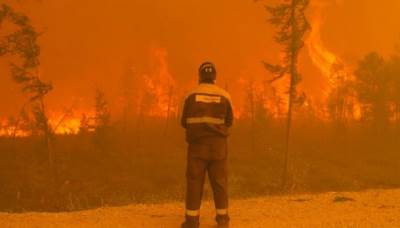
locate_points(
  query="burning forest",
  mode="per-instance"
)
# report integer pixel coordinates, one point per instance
(92, 96)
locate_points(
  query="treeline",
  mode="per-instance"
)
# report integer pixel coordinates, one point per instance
(368, 95)
(374, 90)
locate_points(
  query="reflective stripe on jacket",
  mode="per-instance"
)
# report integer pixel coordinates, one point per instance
(207, 112)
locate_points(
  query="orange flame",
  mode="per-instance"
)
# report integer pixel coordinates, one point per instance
(68, 127)
(331, 66)
(160, 86)
(60, 124)
(158, 93)
(322, 58)
(7, 130)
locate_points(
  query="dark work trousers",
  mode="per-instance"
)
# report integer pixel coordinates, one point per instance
(208, 155)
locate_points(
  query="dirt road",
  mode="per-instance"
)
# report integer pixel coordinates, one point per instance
(374, 208)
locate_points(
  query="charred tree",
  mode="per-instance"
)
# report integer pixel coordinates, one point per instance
(103, 115)
(289, 17)
(372, 85)
(102, 121)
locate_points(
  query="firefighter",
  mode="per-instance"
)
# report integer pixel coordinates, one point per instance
(207, 115)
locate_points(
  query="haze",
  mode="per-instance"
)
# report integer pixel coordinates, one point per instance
(89, 44)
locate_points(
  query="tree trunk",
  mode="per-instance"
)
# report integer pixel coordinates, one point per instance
(288, 132)
(252, 110)
(53, 169)
(293, 75)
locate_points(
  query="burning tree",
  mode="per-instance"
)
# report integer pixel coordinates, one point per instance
(290, 18)
(102, 121)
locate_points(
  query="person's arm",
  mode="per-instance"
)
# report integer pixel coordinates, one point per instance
(184, 114)
(229, 116)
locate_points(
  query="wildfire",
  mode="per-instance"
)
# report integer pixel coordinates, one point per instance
(66, 127)
(157, 98)
(322, 58)
(59, 123)
(160, 88)
(7, 130)
(158, 93)
(332, 67)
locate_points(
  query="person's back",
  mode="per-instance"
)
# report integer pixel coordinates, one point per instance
(206, 116)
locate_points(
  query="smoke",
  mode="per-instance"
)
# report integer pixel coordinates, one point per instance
(87, 44)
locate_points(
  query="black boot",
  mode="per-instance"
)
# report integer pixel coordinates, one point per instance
(191, 222)
(222, 221)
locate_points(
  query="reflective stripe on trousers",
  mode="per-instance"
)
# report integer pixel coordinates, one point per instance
(222, 211)
(192, 213)
(195, 213)
(205, 119)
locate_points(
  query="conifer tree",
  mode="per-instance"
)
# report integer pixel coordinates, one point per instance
(22, 43)
(289, 17)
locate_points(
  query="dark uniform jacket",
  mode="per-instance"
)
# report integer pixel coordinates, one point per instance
(207, 113)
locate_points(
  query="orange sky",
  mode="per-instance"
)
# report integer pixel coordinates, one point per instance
(91, 43)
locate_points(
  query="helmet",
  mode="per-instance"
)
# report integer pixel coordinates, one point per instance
(207, 72)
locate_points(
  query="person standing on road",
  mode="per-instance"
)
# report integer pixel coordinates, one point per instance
(207, 115)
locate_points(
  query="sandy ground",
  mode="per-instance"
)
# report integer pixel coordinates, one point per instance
(374, 208)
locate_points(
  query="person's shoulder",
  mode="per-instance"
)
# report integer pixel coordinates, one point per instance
(210, 89)
(222, 92)
(192, 92)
